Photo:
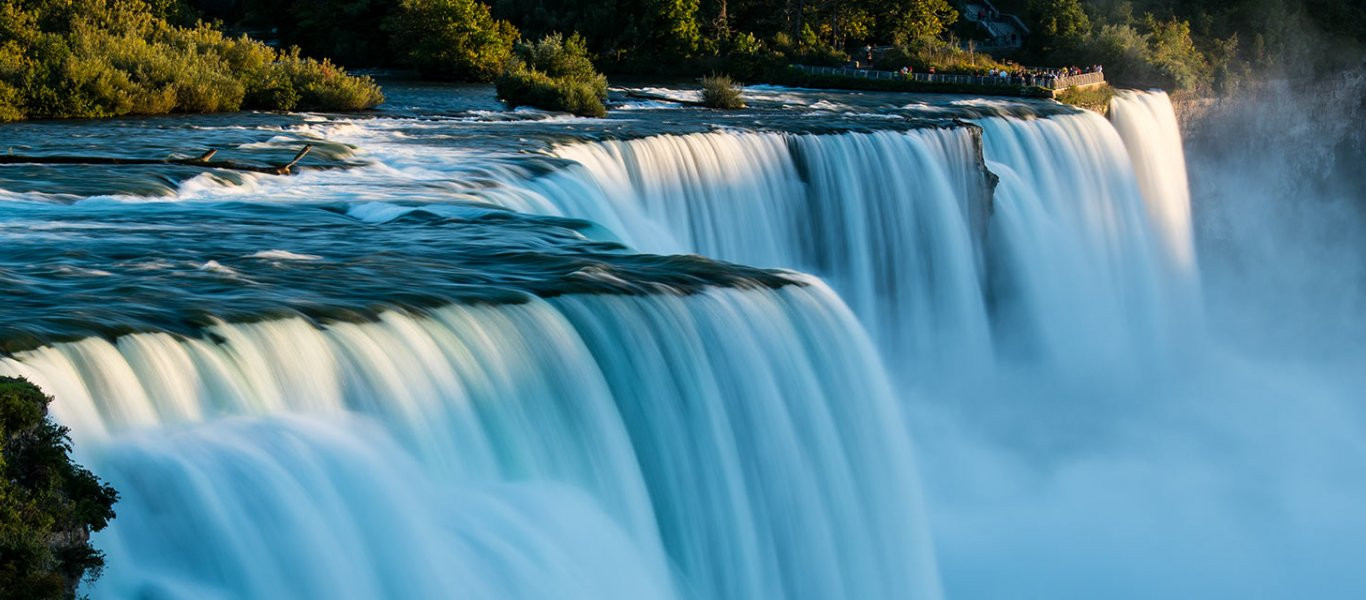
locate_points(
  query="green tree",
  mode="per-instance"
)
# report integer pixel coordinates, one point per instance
(673, 28)
(48, 504)
(1173, 54)
(923, 20)
(1061, 24)
(456, 40)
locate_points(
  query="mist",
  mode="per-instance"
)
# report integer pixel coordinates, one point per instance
(1235, 471)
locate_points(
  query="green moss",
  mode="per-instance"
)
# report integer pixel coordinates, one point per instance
(48, 504)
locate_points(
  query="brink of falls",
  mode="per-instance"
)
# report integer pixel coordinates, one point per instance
(836, 345)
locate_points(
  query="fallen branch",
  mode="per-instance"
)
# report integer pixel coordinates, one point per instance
(645, 96)
(203, 161)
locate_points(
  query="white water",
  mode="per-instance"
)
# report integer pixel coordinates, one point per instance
(726, 444)
(1080, 437)
(1079, 275)
(888, 218)
(1147, 124)
(1070, 273)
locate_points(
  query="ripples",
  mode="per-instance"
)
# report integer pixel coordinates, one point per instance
(411, 206)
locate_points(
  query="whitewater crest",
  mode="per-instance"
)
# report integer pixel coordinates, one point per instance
(1062, 240)
(548, 383)
(615, 446)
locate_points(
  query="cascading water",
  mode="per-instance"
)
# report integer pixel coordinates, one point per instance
(1147, 124)
(438, 374)
(1070, 272)
(893, 219)
(1079, 277)
(720, 444)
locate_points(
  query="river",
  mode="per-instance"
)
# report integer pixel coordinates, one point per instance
(837, 344)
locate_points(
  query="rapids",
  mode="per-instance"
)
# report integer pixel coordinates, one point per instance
(838, 345)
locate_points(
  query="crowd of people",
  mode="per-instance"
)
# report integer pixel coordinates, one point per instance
(1020, 75)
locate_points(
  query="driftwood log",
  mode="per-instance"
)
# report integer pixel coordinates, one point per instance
(645, 96)
(203, 161)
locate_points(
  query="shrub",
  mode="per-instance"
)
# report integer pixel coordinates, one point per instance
(718, 91)
(97, 59)
(454, 40)
(48, 504)
(943, 57)
(554, 73)
(1096, 98)
(520, 86)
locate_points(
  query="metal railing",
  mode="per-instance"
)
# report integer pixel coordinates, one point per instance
(1044, 81)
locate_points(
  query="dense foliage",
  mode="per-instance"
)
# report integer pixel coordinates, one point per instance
(1203, 45)
(941, 57)
(48, 504)
(450, 39)
(554, 73)
(646, 36)
(97, 58)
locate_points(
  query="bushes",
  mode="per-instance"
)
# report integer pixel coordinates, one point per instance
(454, 40)
(942, 56)
(98, 59)
(796, 78)
(1161, 54)
(48, 504)
(747, 57)
(1095, 98)
(554, 74)
(718, 91)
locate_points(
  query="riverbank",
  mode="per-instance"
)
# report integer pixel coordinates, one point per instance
(97, 60)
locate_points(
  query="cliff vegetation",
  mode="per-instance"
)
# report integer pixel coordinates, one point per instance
(49, 505)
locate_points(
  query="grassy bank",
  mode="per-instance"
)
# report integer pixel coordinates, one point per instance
(1094, 98)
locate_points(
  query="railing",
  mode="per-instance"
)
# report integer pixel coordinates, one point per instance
(1068, 81)
(1044, 81)
(1018, 23)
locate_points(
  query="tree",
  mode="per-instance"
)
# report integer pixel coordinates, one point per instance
(1060, 24)
(673, 27)
(1173, 53)
(924, 20)
(48, 504)
(455, 40)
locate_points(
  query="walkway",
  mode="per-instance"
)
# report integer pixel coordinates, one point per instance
(1005, 32)
(1056, 84)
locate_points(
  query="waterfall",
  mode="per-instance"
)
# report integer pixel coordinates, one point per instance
(1147, 124)
(729, 443)
(687, 429)
(1079, 258)
(1078, 269)
(893, 219)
